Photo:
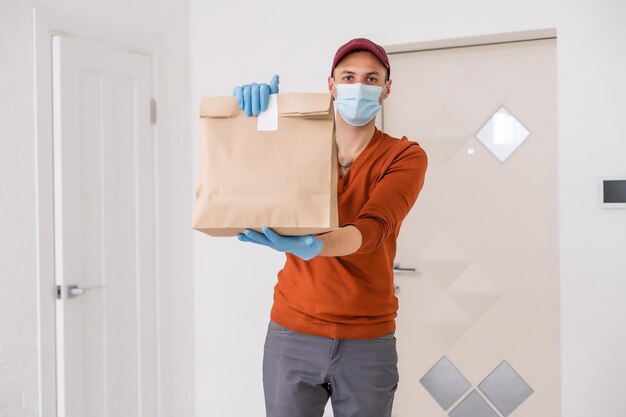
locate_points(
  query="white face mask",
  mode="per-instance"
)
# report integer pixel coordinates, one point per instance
(358, 103)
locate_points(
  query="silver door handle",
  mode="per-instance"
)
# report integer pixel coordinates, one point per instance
(398, 270)
(75, 290)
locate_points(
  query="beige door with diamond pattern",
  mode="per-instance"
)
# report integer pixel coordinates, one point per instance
(478, 326)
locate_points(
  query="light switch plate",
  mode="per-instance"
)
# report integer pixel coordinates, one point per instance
(612, 192)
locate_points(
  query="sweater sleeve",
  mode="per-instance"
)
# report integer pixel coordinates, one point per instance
(392, 198)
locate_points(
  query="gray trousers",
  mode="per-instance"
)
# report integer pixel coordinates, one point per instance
(301, 371)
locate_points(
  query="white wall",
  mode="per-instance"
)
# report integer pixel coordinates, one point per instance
(18, 286)
(18, 283)
(592, 140)
(238, 42)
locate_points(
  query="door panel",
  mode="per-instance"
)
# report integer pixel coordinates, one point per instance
(104, 230)
(481, 313)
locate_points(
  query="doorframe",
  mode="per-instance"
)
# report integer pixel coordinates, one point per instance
(47, 23)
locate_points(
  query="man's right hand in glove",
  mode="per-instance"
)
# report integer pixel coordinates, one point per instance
(253, 98)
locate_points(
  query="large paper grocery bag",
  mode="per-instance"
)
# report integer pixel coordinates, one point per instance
(277, 170)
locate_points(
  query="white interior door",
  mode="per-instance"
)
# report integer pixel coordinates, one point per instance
(104, 199)
(478, 324)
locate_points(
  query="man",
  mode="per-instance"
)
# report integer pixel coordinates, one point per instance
(331, 332)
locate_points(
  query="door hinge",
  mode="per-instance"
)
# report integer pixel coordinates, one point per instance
(59, 292)
(153, 111)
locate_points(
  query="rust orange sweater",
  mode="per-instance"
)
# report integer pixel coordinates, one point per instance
(353, 296)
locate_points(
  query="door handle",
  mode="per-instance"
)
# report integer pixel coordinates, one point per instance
(398, 270)
(75, 290)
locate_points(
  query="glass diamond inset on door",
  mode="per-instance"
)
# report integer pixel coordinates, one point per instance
(505, 388)
(445, 383)
(473, 406)
(502, 134)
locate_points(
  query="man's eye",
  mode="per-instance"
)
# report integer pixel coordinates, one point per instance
(373, 80)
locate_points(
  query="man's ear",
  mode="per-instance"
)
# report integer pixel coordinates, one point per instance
(388, 89)
(331, 87)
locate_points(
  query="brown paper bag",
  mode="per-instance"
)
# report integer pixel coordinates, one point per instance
(285, 178)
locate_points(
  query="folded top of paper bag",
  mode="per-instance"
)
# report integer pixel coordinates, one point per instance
(289, 104)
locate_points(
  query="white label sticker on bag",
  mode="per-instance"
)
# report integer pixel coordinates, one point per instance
(268, 119)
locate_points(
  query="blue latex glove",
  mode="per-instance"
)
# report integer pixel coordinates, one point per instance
(305, 247)
(253, 98)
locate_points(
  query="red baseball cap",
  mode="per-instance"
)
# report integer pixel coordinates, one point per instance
(361, 44)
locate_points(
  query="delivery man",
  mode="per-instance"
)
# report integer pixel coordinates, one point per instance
(332, 323)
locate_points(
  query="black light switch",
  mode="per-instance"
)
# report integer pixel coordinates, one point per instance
(614, 191)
